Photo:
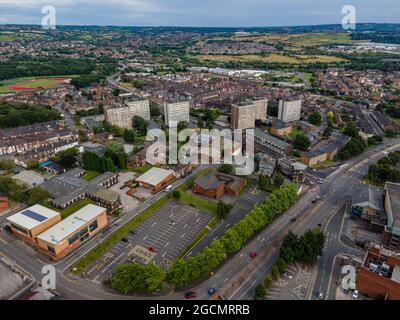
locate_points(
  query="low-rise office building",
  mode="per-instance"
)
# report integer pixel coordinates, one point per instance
(156, 179)
(68, 234)
(29, 223)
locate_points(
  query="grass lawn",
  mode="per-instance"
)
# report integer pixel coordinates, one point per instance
(90, 174)
(74, 208)
(199, 203)
(117, 236)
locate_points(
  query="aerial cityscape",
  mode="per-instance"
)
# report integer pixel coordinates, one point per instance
(231, 159)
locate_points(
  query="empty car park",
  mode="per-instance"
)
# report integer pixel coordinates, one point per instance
(160, 239)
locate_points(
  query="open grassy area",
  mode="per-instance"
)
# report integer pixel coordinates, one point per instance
(295, 132)
(198, 202)
(90, 174)
(6, 86)
(117, 236)
(74, 208)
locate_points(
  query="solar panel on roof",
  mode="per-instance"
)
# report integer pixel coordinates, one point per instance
(34, 215)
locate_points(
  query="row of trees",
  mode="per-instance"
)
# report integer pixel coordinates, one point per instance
(267, 184)
(135, 277)
(183, 272)
(304, 249)
(21, 192)
(92, 161)
(356, 145)
(385, 169)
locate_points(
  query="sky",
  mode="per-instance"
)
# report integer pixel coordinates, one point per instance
(198, 13)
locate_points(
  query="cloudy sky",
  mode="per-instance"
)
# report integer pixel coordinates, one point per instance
(237, 13)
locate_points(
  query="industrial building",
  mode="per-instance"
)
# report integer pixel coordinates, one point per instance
(156, 179)
(68, 234)
(29, 223)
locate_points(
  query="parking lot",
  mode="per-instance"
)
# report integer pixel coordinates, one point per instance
(291, 289)
(128, 203)
(168, 232)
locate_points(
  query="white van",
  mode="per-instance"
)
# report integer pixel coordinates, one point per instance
(168, 189)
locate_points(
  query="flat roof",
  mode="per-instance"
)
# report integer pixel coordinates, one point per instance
(70, 225)
(29, 177)
(33, 216)
(154, 176)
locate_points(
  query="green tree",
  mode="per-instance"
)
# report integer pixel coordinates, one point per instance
(259, 292)
(182, 125)
(129, 136)
(278, 180)
(139, 125)
(7, 165)
(302, 142)
(176, 194)
(116, 92)
(223, 210)
(115, 151)
(225, 168)
(315, 118)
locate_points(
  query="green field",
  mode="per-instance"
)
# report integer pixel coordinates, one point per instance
(40, 82)
(90, 174)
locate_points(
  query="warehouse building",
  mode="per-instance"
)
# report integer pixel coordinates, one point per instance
(68, 234)
(29, 223)
(156, 179)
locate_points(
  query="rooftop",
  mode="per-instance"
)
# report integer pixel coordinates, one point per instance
(32, 217)
(393, 192)
(154, 176)
(73, 223)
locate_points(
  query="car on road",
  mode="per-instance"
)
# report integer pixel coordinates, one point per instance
(355, 294)
(133, 232)
(319, 225)
(253, 254)
(122, 187)
(168, 189)
(153, 249)
(320, 296)
(293, 220)
(212, 291)
(124, 239)
(287, 275)
(190, 295)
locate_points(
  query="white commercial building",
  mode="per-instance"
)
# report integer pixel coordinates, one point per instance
(176, 112)
(289, 111)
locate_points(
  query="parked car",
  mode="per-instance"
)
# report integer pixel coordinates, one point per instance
(190, 295)
(287, 275)
(153, 249)
(253, 254)
(212, 291)
(133, 232)
(124, 239)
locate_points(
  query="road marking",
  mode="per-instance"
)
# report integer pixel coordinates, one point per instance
(183, 235)
(166, 245)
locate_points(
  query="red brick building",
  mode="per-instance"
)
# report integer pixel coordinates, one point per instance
(379, 274)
